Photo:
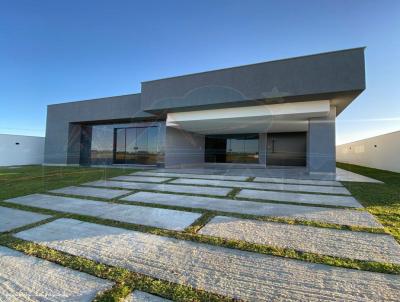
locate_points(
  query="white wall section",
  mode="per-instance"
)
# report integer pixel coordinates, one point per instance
(21, 150)
(380, 152)
(285, 117)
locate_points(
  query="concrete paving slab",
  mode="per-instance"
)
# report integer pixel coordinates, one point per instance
(12, 218)
(299, 181)
(161, 187)
(262, 186)
(139, 296)
(161, 218)
(27, 278)
(141, 178)
(192, 175)
(233, 273)
(328, 215)
(344, 201)
(64, 204)
(344, 175)
(338, 243)
(91, 192)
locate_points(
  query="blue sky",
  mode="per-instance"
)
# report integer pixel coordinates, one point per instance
(57, 51)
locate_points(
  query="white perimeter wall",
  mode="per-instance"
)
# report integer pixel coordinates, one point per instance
(380, 152)
(29, 151)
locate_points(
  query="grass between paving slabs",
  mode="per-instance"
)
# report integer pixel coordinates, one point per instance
(118, 200)
(191, 234)
(127, 281)
(381, 200)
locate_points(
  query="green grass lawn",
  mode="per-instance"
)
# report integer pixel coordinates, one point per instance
(381, 200)
(25, 180)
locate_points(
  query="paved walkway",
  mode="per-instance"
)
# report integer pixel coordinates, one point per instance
(91, 192)
(269, 172)
(262, 186)
(320, 214)
(27, 278)
(141, 178)
(12, 218)
(338, 243)
(233, 273)
(161, 187)
(188, 175)
(332, 200)
(298, 181)
(344, 175)
(161, 218)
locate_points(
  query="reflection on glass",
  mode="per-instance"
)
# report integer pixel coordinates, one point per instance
(102, 145)
(136, 145)
(127, 143)
(238, 148)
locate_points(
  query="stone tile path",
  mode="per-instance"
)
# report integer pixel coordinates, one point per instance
(26, 278)
(138, 296)
(12, 218)
(189, 175)
(298, 181)
(141, 178)
(233, 273)
(91, 192)
(161, 187)
(161, 218)
(333, 200)
(339, 243)
(329, 215)
(262, 186)
(344, 175)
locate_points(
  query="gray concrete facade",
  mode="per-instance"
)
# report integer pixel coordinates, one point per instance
(183, 148)
(337, 77)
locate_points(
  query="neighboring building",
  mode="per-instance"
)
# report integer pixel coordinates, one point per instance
(21, 150)
(380, 152)
(276, 113)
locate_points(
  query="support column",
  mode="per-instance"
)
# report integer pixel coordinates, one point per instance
(183, 148)
(321, 149)
(262, 149)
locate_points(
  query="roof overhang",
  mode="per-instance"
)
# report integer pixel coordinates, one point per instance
(338, 76)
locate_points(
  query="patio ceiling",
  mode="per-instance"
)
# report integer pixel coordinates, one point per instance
(285, 117)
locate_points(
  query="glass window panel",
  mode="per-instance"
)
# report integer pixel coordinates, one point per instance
(120, 145)
(102, 144)
(130, 145)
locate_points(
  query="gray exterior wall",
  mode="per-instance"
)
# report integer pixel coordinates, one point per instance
(63, 136)
(321, 149)
(317, 75)
(183, 148)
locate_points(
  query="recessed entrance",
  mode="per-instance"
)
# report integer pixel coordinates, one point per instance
(231, 148)
(136, 145)
(286, 149)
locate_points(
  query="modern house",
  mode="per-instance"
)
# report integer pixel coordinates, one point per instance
(278, 113)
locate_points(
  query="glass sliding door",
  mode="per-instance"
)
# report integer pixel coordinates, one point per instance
(231, 148)
(136, 145)
(152, 144)
(141, 145)
(130, 149)
(120, 146)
